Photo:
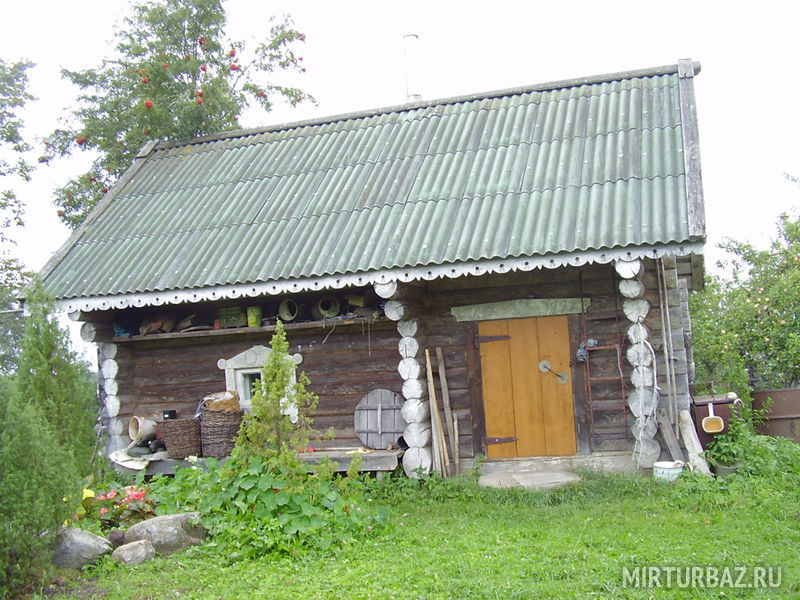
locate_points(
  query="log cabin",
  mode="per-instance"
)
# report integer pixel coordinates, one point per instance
(519, 260)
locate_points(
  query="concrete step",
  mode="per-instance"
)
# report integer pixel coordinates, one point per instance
(606, 462)
(544, 480)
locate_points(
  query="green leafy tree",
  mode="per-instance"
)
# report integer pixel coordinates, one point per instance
(175, 75)
(746, 327)
(13, 96)
(51, 376)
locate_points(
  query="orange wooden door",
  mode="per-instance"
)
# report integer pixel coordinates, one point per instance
(520, 401)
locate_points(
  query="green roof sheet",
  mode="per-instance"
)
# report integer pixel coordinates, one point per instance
(549, 175)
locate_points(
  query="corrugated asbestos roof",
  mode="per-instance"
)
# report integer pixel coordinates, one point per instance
(597, 164)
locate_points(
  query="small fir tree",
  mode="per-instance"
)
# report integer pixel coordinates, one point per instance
(34, 478)
(281, 408)
(51, 376)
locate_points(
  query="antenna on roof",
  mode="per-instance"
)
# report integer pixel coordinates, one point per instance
(411, 51)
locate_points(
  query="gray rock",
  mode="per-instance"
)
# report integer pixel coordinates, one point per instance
(169, 533)
(134, 553)
(76, 548)
(116, 537)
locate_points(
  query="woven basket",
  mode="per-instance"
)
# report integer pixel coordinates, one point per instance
(181, 437)
(217, 432)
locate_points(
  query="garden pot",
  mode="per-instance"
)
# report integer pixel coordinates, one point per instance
(783, 418)
(140, 428)
(725, 470)
(667, 470)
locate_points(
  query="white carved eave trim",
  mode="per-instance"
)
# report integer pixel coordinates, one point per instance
(334, 282)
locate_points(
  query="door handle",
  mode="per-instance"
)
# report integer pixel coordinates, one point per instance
(544, 367)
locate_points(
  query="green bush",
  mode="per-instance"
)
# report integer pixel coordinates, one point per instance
(34, 477)
(265, 498)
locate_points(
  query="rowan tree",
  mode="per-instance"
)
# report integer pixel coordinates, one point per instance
(174, 75)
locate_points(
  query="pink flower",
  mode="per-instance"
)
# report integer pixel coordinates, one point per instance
(103, 511)
(101, 497)
(111, 494)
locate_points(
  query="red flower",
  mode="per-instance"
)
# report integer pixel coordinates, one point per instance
(261, 93)
(146, 131)
(203, 68)
(199, 100)
(232, 53)
(165, 65)
(80, 141)
(199, 92)
(302, 37)
(60, 213)
(145, 80)
(148, 104)
(105, 190)
(234, 67)
(201, 40)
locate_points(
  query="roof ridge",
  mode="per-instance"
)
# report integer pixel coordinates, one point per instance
(540, 87)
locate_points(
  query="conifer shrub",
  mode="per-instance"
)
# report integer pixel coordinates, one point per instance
(34, 478)
(47, 413)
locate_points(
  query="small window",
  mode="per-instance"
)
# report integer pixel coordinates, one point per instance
(244, 369)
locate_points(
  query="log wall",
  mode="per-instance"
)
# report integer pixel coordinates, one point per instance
(343, 364)
(346, 362)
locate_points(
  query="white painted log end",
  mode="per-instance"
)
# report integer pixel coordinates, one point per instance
(628, 269)
(642, 377)
(416, 460)
(107, 350)
(639, 355)
(417, 434)
(415, 411)
(408, 327)
(109, 368)
(636, 310)
(395, 310)
(638, 332)
(110, 387)
(408, 346)
(415, 389)
(115, 426)
(631, 288)
(112, 405)
(409, 368)
(386, 290)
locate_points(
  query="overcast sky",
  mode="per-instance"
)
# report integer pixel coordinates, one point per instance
(747, 92)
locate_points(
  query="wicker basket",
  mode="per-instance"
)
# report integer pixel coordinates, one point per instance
(181, 437)
(218, 430)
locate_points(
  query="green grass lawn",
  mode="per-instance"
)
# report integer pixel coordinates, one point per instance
(455, 540)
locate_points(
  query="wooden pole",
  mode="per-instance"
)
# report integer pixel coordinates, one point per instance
(436, 419)
(692, 443)
(448, 413)
(437, 460)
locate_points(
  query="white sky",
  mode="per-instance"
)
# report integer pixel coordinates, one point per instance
(747, 92)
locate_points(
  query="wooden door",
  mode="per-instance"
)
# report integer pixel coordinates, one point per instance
(520, 400)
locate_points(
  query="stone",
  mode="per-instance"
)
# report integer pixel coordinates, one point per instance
(116, 537)
(134, 553)
(169, 533)
(75, 548)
